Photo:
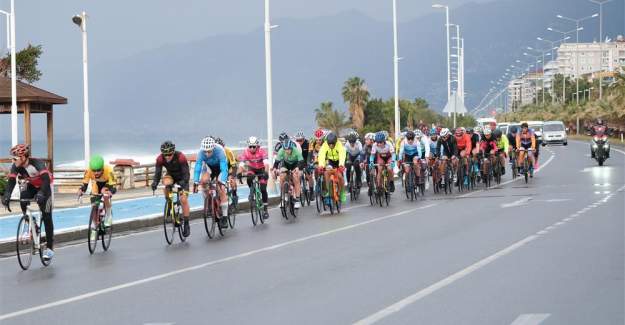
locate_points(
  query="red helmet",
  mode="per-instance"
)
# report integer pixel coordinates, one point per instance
(20, 150)
(319, 134)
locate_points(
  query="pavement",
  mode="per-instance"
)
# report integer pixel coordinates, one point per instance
(547, 252)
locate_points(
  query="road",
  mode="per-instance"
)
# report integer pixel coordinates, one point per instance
(549, 252)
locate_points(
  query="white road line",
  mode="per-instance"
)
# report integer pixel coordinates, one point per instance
(201, 266)
(396, 307)
(519, 202)
(530, 319)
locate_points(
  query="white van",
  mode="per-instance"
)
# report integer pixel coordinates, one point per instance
(554, 132)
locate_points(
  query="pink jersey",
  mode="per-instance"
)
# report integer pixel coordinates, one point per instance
(254, 160)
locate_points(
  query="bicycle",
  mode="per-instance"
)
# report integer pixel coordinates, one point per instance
(382, 192)
(255, 199)
(434, 166)
(287, 198)
(461, 174)
(474, 172)
(172, 221)
(409, 181)
(372, 186)
(513, 164)
(526, 166)
(487, 172)
(447, 175)
(334, 198)
(421, 178)
(304, 197)
(497, 169)
(319, 186)
(212, 210)
(354, 190)
(28, 239)
(97, 228)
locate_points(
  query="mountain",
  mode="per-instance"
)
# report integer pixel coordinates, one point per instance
(216, 85)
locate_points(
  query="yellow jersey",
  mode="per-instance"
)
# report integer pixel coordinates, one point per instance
(336, 154)
(107, 179)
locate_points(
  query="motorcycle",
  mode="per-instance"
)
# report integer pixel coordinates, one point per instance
(601, 147)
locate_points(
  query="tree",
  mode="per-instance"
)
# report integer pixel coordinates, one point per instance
(27, 61)
(329, 118)
(356, 94)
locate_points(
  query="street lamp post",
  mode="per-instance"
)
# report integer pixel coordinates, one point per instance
(577, 29)
(8, 26)
(448, 58)
(396, 70)
(13, 79)
(81, 21)
(268, 81)
(600, 3)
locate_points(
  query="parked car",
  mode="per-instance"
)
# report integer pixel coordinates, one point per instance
(503, 126)
(554, 132)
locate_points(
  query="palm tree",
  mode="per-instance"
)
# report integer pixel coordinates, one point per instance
(356, 94)
(329, 118)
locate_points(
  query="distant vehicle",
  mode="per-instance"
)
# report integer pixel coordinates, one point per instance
(481, 122)
(503, 126)
(512, 125)
(554, 132)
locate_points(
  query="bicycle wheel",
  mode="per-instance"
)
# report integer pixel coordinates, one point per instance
(284, 200)
(42, 246)
(253, 208)
(93, 232)
(408, 185)
(24, 245)
(169, 224)
(216, 219)
(526, 169)
(107, 235)
(232, 214)
(209, 220)
(318, 198)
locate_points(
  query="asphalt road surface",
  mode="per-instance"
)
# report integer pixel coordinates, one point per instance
(549, 252)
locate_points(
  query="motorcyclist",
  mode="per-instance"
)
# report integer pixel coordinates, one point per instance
(598, 130)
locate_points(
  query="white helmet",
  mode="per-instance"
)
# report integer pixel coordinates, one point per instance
(487, 131)
(370, 136)
(444, 132)
(418, 134)
(252, 141)
(299, 135)
(208, 143)
(478, 129)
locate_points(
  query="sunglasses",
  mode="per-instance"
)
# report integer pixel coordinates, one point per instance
(169, 155)
(97, 171)
(252, 147)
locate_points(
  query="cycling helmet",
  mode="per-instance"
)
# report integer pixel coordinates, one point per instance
(380, 137)
(299, 135)
(418, 134)
(514, 129)
(283, 136)
(385, 134)
(469, 130)
(331, 138)
(20, 150)
(168, 148)
(444, 132)
(352, 137)
(208, 144)
(478, 129)
(599, 121)
(319, 134)
(433, 132)
(288, 144)
(220, 141)
(370, 136)
(410, 135)
(487, 131)
(96, 162)
(497, 133)
(253, 141)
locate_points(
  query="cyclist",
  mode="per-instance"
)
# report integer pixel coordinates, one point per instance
(364, 157)
(599, 129)
(446, 145)
(177, 166)
(232, 169)
(488, 144)
(103, 182)
(313, 152)
(332, 154)
(409, 152)
(213, 156)
(525, 141)
(354, 150)
(383, 154)
(463, 145)
(290, 159)
(39, 187)
(503, 148)
(282, 137)
(512, 132)
(254, 160)
(434, 153)
(424, 144)
(302, 144)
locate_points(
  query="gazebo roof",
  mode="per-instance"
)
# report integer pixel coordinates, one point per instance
(27, 94)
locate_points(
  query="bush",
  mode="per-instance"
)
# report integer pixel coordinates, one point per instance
(3, 184)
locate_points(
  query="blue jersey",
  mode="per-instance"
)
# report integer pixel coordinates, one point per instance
(216, 160)
(407, 149)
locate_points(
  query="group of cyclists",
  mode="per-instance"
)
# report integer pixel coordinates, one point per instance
(318, 158)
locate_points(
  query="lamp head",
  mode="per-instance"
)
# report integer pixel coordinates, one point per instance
(77, 20)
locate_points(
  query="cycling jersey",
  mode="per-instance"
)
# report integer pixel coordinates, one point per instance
(475, 140)
(463, 142)
(503, 144)
(366, 153)
(417, 148)
(232, 160)
(447, 147)
(486, 145)
(337, 154)
(526, 140)
(216, 162)
(107, 179)
(305, 147)
(387, 153)
(432, 145)
(313, 151)
(177, 168)
(291, 161)
(512, 140)
(32, 173)
(353, 150)
(255, 160)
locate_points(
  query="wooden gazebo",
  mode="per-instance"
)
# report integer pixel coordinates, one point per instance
(30, 100)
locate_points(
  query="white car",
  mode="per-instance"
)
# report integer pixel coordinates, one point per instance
(554, 132)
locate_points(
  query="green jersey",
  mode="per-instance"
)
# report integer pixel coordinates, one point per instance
(293, 158)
